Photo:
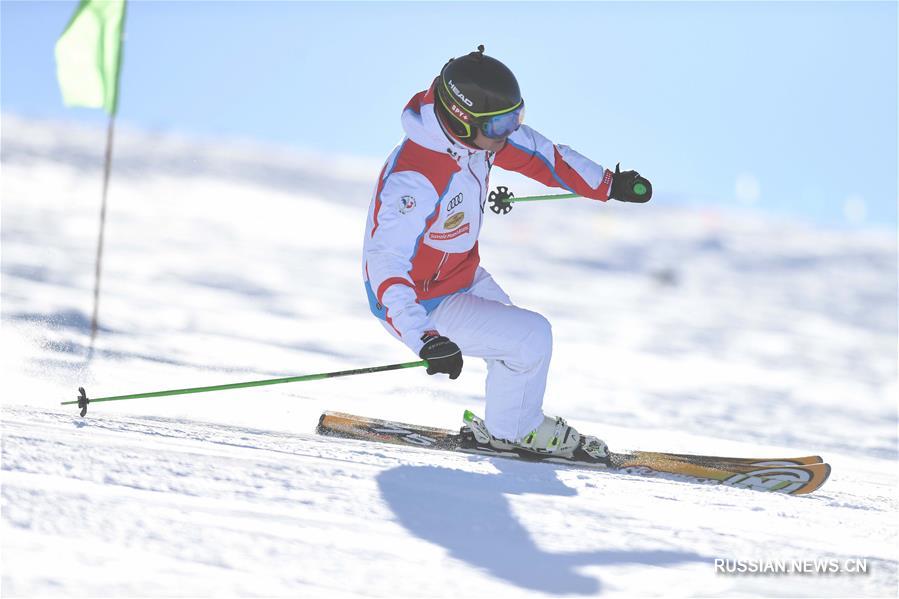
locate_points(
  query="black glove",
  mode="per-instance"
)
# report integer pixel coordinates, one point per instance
(629, 186)
(442, 354)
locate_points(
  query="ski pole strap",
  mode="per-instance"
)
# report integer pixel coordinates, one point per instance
(83, 400)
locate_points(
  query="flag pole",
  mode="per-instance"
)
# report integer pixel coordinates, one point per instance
(98, 268)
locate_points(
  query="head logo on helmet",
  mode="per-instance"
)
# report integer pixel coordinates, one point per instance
(459, 94)
(477, 92)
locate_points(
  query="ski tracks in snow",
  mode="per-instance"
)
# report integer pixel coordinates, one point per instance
(119, 505)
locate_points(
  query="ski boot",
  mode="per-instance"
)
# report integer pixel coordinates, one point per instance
(552, 438)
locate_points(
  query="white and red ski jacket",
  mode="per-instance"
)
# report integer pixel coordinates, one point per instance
(421, 238)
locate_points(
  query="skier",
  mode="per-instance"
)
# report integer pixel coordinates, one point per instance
(420, 256)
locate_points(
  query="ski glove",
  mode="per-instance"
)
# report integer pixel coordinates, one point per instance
(629, 186)
(442, 354)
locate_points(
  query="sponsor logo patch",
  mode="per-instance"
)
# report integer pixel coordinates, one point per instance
(454, 221)
(407, 204)
(453, 203)
(451, 234)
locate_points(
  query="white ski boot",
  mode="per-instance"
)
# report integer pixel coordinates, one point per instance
(553, 437)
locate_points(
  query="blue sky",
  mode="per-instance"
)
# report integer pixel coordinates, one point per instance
(788, 108)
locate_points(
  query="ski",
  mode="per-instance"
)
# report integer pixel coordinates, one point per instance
(793, 476)
(722, 460)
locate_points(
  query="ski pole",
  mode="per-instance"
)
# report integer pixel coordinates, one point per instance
(557, 196)
(83, 400)
(501, 200)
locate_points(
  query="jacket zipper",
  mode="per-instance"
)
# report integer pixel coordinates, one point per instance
(481, 195)
(433, 279)
(481, 202)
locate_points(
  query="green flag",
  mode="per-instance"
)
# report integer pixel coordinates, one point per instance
(89, 55)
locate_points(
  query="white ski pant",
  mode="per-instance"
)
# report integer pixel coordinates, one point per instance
(516, 344)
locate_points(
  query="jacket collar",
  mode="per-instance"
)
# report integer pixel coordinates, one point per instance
(423, 126)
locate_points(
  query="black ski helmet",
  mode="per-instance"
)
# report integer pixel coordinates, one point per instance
(474, 88)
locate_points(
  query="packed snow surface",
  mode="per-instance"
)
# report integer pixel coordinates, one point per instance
(675, 329)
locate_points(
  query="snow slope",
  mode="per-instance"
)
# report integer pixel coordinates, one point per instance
(674, 330)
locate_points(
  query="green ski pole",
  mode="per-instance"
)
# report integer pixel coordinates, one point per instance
(501, 200)
(83, 400)
(640, 191)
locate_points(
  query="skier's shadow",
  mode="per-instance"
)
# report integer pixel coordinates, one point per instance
(468, 514)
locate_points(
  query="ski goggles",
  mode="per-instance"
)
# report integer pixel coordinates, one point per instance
(503, 125)
(495, 125)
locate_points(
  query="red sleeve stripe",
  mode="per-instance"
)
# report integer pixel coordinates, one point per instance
(378, 200)
(575, 181)
(522, 160)
(390, 322)
(383, 287)
(534, 165)
(385, 172)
